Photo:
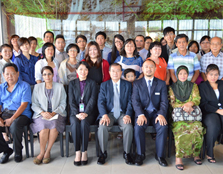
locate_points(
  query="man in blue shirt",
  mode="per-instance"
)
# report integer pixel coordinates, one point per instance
(15, 99)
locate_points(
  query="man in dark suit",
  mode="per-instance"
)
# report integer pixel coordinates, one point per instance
(150, 103)
(114, 105)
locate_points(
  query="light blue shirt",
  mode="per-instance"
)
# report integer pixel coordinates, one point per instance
(12, 100)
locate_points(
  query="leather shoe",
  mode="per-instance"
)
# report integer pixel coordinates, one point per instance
(6, 155)
(18, 157)
(161, 161)
(139, 160)
(101, 159)
(128, 158)
(77, 163)
(84, 162)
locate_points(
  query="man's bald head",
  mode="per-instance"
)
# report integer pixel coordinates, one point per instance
(216, 45)
(216, 39)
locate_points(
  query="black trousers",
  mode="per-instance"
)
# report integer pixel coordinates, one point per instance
(3, 145)
(80, 130)
(213, 123)
(16, 129)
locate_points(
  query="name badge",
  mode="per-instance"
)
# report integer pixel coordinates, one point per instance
(157, 93)
(81, 107)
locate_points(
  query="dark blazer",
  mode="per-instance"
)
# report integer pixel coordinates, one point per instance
(106, 98)
(141, 99)
(90, 96)
(209, 101)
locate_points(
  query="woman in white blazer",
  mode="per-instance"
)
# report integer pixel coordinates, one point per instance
(48, 104)
(48, 51)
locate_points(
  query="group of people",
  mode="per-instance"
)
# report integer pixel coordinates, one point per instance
(127, 85)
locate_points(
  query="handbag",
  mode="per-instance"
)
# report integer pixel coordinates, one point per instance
(6, 114)
(179, 114)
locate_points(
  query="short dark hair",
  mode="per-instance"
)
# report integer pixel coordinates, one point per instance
(10, 65)
(45, 46)
(150, 61)
(193, 42)
(72, 46)
(32, 38)
(204, 38)
(147, 37)
(22, 40)
(179, 36)
(161, 39)
(83, 63)
(139, 35)
(135, 53)
(4, 46)
(168, 30)
(153, 44)
(59, 36)
(82, 37)
(100, 33)
(47, 68)
(115, 64)
(212, 67)
(128, 70)
(48, 32)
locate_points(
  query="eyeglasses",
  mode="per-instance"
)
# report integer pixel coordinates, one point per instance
(83, 41)
(49, 74)
(118, 42)
(205, 42)
(215, 44)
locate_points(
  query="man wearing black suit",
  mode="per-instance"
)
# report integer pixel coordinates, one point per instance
(114, 105)
(150, 103)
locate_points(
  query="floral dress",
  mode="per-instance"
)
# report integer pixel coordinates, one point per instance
(188, 135)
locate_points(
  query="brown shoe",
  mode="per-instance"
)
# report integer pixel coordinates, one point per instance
(37, 161)
(46, 160)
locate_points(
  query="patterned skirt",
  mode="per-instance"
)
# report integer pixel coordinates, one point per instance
(188, 138)
(40, 124)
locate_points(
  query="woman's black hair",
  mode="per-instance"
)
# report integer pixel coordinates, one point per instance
(45, 46)
(135, 53)
(204, 38)
(212, 67)
(193, 42)
(72, 46)
(114, 49)
(47, 68)
(4, 46)
(153, 44)
(83, 63)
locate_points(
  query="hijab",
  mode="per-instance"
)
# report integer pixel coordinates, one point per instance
(182, 90)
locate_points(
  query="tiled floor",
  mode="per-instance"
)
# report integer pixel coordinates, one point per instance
(114, 163)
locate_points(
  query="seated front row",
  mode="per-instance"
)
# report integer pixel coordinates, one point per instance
(115, 101)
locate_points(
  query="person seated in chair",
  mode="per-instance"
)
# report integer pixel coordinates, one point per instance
(114, 105)
(150, 103)
(15, 100)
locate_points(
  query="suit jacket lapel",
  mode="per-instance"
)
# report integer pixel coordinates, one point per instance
(122, 91)
(111, 92)
(153, 86)
(78, 88)
(145, 89)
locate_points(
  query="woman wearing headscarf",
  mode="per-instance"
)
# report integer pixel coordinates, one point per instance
(188, 135)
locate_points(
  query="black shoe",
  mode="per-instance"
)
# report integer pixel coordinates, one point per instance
(77, 163)
(84, 162)
(6, 155)
(161, 161)
(18, 157)
(128, 158)
(102, 157)
(143, 156)
(139, 160)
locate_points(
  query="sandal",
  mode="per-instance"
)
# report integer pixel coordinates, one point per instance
(198, 161)
(210, 160)
(180, 165)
